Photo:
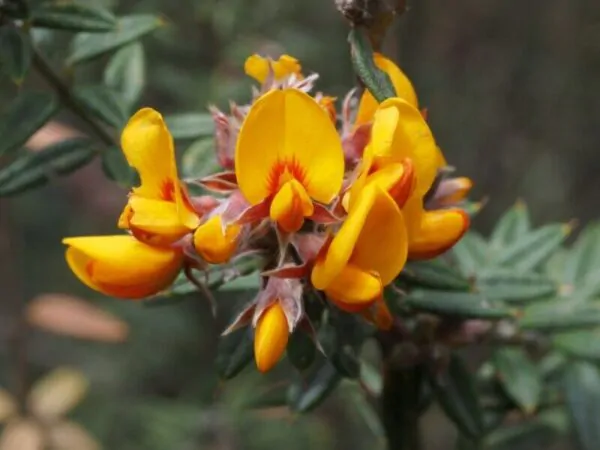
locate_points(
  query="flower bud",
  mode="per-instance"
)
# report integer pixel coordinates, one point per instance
(271, 337)
(216, 243)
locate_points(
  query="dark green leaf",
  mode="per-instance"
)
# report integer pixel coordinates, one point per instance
(455, 391)
(25, 115)
(459, 304)
(513, 224)
(126, 73)
(531, 250)
(301, 350)
(72, 16)
(234, 352)
(376, 81)
(116, 168)
(103, 103)
(190, 125)
(15, 53)
(35, 169)
(519, 377)
(552, 363)
(365, 409)
(87, 46)
(584, 344)
(471, 253)
(511, 285)
(269, 397)
(199, 159)
(371, 378)
(559, 314)
(305, 395)
(434, 274)
(582, 388)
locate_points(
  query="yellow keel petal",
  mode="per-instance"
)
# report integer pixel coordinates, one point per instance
(271, 337)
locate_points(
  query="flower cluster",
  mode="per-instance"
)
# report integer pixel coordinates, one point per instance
(333, 208)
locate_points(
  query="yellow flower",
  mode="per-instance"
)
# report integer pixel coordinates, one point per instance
(121, 266)
(215, 244)
(270, 337)
(257, 67)
(288, 154)
(438, 232)
(158, 211)
(402, 86)
(367, 253)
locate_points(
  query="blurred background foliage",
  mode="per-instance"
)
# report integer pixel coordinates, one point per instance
(513, 96)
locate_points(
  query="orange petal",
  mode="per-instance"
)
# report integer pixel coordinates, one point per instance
(286, 134)
(121, 266)
(271, 337)
(257, 67)
(214, 244)
(397, 179)
(290, 206)
(402, 86)
(354, 289)
(439, 231)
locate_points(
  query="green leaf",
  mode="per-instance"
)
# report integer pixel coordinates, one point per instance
(584, 257)
(305, 395)
(583, 344)
(514, 286)
(435, 274)
(103, 103)
(234, 352)
(531, 250)
(301, 350)
(459, 304)
(15, 53)
(582, 389)
(35, 169)
(190, 125)
(199, 159)
(361, 52)
(559, 314)
(72, 16)
(25, 115)
(126, 73)
(471, 253)
(269, 397)
(519, 377)
(117, 168)
(455, 391)
(371, 378)
(511, 226)
(87, 46)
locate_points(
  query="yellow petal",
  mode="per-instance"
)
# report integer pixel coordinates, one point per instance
(439, 231)
(354, 289)
(122, 266)
(397, 179)
(402, 85)
(413, 140)
(287, 135)
(257, 67)
(385, 122)
(271, 337)
(156, 222)
(214, 245)
(290, 206)
(382, 245)
(413, 213)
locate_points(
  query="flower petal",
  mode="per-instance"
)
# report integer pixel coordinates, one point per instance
(213, 243)
(439, 231)
(402, 85)
(271, 337)
(354, 289)
(257, 67)
(290, 206)
(287, 132)
(122, 266)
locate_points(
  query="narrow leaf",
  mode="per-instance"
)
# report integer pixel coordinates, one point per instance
(559, 314)
(116, 168)
(234, 352)
(531, 250)
(582, 388)
(306, 395)
(15, 53)
(87, 46)
(434, 274)
(199, 159)
(471, 253)
(459, 304)
(584, 257)
(25, 115)
(514, 286)
(103, 103)
(72, 16)
(301, 350)
(519, 377)
(455, 391)
(126, 73)
(583, 344)
(513, 224)
(190, 125)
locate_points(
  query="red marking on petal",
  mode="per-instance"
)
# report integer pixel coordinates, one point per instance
(283, 171)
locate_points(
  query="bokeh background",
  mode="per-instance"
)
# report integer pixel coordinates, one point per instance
(513, 93)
